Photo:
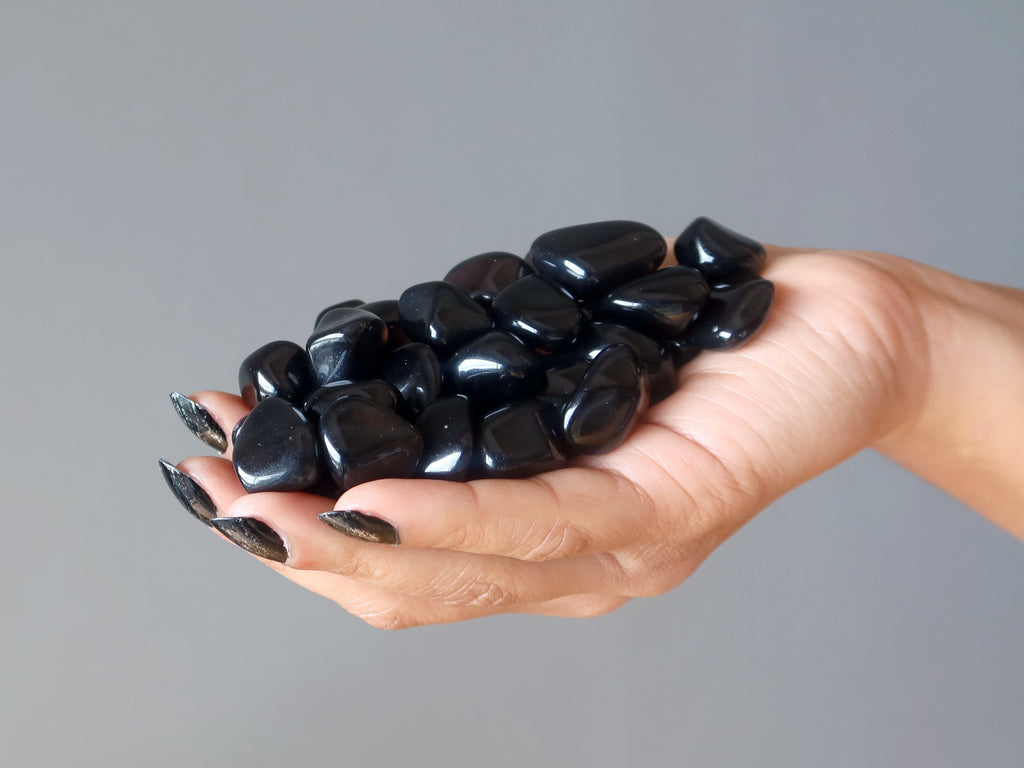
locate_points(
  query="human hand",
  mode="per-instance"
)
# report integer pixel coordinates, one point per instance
(839, 365)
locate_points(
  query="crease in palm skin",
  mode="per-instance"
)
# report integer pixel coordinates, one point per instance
(860, 350)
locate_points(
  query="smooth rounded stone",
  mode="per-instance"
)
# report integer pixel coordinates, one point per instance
(718, 252)
(537, 312)
(387, 310)
(733, 315)
(564, 372)
(656, 359)
(348, 304)
(661, 304)
(414, 371)
(485, 275)
(362, 441)
(441, 316)
(517, 440)
(446, 427)
(588, 260)
(275, 449)
(377, 390)
(278, 369)
(347, 344)
(495, 368)
(604, 408)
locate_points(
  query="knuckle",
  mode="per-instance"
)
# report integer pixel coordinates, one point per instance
(364, 567)
(476, 590)
(390, 620)
(560, 541)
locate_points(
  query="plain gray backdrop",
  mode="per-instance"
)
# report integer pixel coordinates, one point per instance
(181, 182)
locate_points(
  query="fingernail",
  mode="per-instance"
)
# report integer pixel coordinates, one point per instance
(252, 535)
(189, 493)
(200, 422)
(360, 526)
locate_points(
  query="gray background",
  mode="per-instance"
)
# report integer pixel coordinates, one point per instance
(181, 182)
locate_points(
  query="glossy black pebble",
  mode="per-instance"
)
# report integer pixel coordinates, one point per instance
(415, 372)
(278, 369)
(733, 315)
(447, 430)
(537, 312)
(603, 410)
(276, 449)
(347, 344)
(362, 441)
(718, 252)
(347, 304)
(517, 441)
(588, 260)
(656, 360)
(563, 372)
(495, 368)
(387, 310)
(377, 390)
(661, 304)
(441, 315)
(485, 275)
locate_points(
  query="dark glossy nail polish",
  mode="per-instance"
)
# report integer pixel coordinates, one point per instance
(360, 526)
(199, 421)
(252, 535)
(189, 493)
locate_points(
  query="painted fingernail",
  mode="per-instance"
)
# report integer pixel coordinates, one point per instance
(199, 421)
(360, 526)
(252, 535)
(189, 493)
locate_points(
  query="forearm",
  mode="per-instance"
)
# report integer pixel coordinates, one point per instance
(968, 436)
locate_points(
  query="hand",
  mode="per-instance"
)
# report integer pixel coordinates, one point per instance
(838, 366)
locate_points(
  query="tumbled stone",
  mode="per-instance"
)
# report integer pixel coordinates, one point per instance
(278, 369)
(660, 304)
(537, 312)
(485, 275)
(656, 360)
(347, 344)
(446, 427)
(377, 390)
(347, 304)
(517, 441)
(602, 411)
(414, 371)
(733, 315)
(275, 449)
(441, 316)
(718, 252)
(494, 368)
(387, 310)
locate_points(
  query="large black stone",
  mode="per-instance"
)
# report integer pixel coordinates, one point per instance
(348, 344)
(733, 315)
(718, 252)
(661, 304)
(278, 369)
(537, 312)
(275, 449)
(441, 316)
(446, 426)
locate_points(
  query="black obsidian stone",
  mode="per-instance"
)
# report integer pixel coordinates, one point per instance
(387, 310)
(376, 390)
(446, 426)
(588, 260)
(719, 253)
(563, 372)
(537, 312)
(415, 372)
(362, 441)
(348, 304)
(485, 275)
(604, 408)
(441, 316)
(733, 315)
(278, 369)
(656, 359)
(275, 449)
(495, 368)
(347, 344)
(517, 441)
(661, 304)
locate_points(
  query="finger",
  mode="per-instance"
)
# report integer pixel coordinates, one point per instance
(211, 416)
(573, 511)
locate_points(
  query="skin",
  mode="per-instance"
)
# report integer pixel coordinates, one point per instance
(860, 350)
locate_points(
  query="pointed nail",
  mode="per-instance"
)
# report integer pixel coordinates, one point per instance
(200, 422)
(189, 493)
(252, 535)
(360, 526)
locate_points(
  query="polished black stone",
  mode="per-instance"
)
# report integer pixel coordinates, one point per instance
(604, 408)
(661, 304)
(733, 315)
(441, 315)
(348, 304)
(495, 368)
(718, 252)
(347, 344)
(537, 312)
(278, 369)
(656, 360)
(362, 441)
(414, 371)
(276, 449)
(387, 310)
(563, 372)
(377, 390)
(446, 426)
(485, 275)
(517, 440)
(588, 260)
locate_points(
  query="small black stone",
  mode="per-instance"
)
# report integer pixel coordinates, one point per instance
(414, 371)
(347, 304)
(564, 372)
(733, 315)
(537, 312)
(495, 368)
(446, 426)
(485, 275)
(604, 408)
(377, 390)
(387, 310)
(275, 449)
(655, 358)
(517, 440)
(661, 304)
(441, 316)
(278, 369)
(347, 344)
(718, 252)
